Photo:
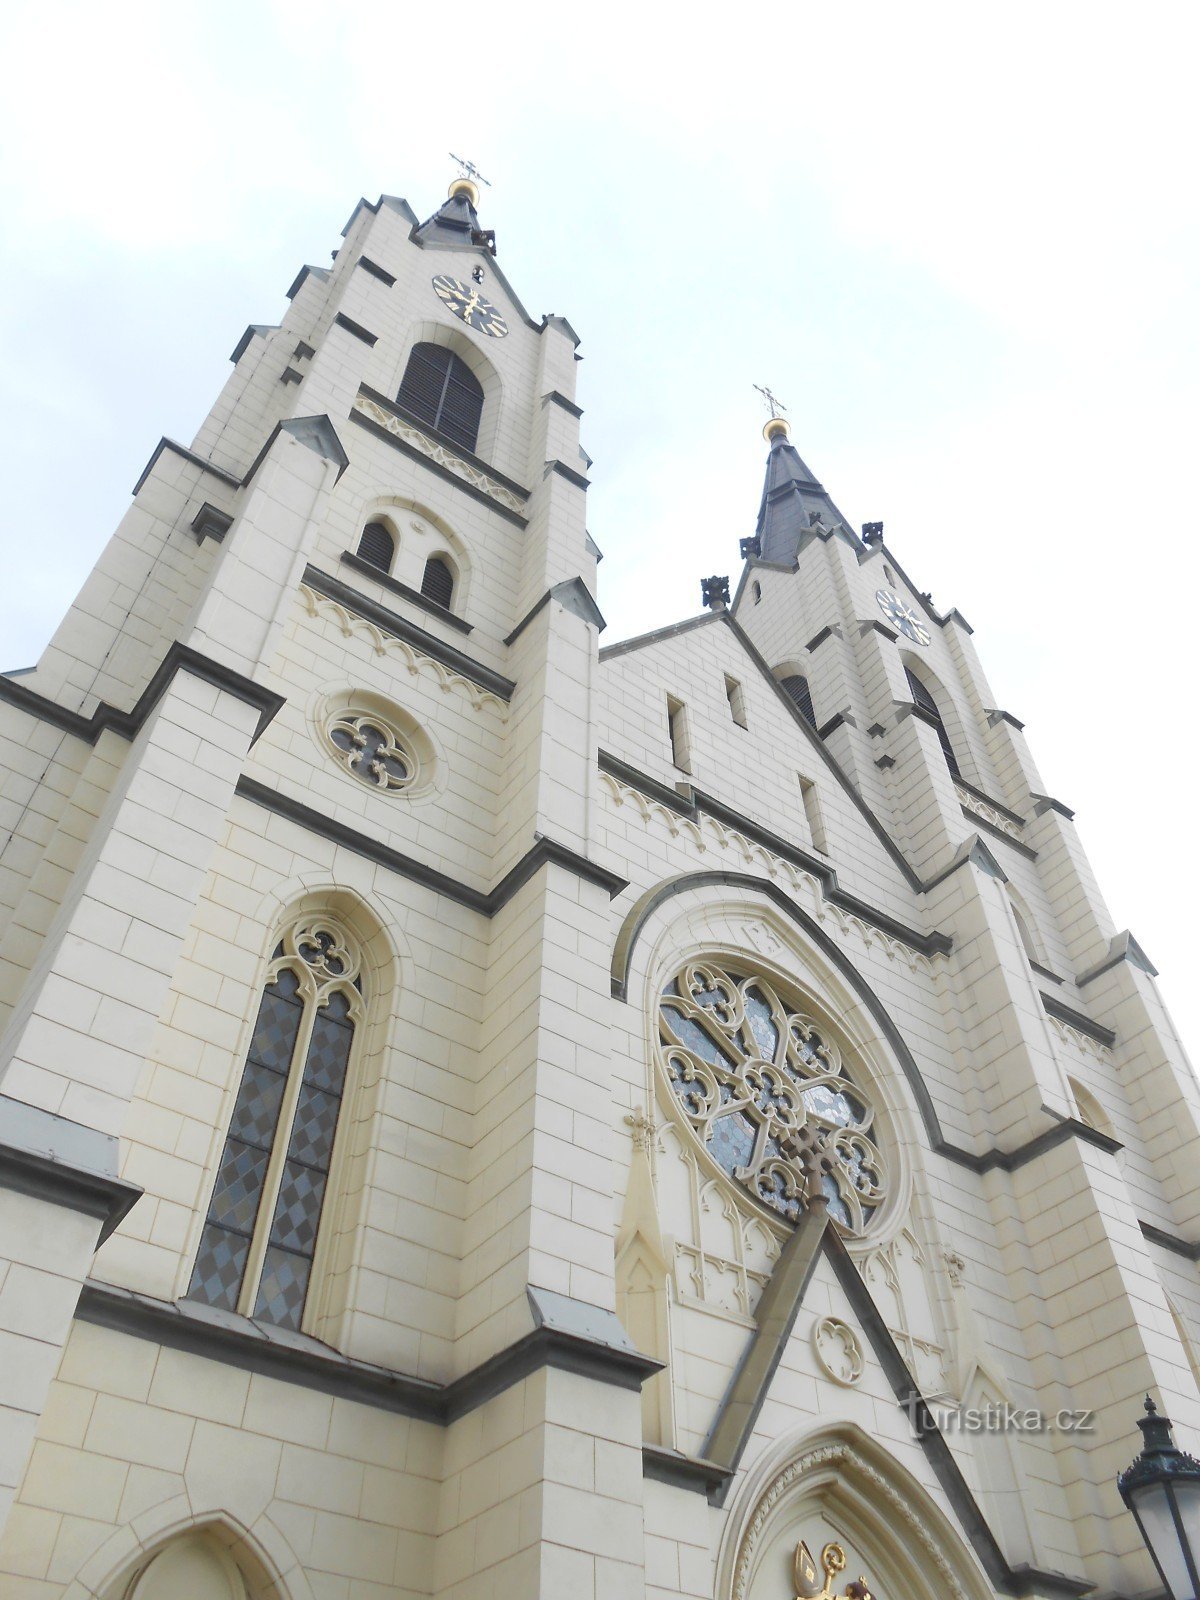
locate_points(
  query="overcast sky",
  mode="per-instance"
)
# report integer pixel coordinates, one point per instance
(959, 241)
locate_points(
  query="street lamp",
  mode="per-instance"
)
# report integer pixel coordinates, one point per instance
(1162, 1489)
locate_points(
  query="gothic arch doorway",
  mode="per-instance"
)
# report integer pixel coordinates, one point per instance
(844, 1497)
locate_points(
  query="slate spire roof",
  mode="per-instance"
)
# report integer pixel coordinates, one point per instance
(456, 221)
(791, 498)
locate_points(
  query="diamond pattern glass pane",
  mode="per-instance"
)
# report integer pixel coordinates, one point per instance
(283, 1288)
(278, 1023)
(329, 1051)
(298, 1209)
(256, 1114)
(314, 1127)
(220, 1264)
(239, 1185)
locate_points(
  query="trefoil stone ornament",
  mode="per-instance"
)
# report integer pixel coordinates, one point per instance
(811, 1586)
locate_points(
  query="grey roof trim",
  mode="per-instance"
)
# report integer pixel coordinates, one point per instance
(553, 397)
(696, 801)
(306, 272)
(256, 329)
(1018, 845)
(1044, 802)
(1077, 1020)
(414, 596)
(551, 319)
(179, 658)
(1169, 1241)
(543, 852)
(64, 1163)
(188, 455)
(996, 716)
(1121, 947)
(830, 631)
(971, 851)
(574, 596)
(391, 622)
(252, 1346)
(569, 473)
(680, 1471)
(393, 202)
(1013, 816)
(642, 640)
(210, 522)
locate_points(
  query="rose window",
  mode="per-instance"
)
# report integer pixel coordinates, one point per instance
(762, 1088)
(373, 751)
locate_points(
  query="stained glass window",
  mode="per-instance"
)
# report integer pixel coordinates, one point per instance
(757, 1081)
(260, 1236)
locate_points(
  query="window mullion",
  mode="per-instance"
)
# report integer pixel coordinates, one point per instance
(274, 1174)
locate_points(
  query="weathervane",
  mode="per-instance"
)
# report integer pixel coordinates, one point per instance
(777, 407)
(469, 171)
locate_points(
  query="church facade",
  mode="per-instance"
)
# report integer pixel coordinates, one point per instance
(487, 1114)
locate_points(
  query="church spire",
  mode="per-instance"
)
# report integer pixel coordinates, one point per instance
(792, 498)
(456, 221)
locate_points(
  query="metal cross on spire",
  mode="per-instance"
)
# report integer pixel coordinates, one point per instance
(777, 407)
(468, 170)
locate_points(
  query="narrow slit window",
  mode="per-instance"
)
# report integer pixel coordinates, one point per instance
(681, 753)
(923, 698)
(812, 813)
(377, 546)
(260, 1235)
(735, 694)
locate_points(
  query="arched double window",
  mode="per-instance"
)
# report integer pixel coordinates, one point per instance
(437, 581)
(377, 546)
(440, 388)
(923, 698)
(795, 686)
(260, 1235)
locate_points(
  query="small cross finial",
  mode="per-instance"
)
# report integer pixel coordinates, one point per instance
(714, 593)
(469, 171)
(1151, 1408)
(774, 404)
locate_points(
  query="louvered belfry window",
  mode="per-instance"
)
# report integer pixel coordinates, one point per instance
(260, 1235)
(795, 686)
(377, 546)
(441, 390)
(923, 698)
(437, 584)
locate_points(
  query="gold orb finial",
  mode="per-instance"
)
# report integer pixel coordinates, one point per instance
(775, 427)
(464, 186)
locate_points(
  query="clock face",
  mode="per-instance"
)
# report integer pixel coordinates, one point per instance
(902, 617)
(465, 300)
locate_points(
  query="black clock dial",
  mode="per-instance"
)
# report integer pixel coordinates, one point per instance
(466, 302)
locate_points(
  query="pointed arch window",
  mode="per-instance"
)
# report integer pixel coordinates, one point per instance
(795, 686)
(440, 388)
(923, 698)
(377, 546)
(437, 581)
(260, 1235)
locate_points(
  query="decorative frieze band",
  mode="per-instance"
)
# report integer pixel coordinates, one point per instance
(383, 643)
(989, 813)
(416, 439)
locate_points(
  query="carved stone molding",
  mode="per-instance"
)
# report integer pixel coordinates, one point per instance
(1078, 1041)
(838, 1456)
(384, 644)
(418, 440)
(839, 1351)
(980, 808)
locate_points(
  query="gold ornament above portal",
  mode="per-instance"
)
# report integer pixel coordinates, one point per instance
(833, 1560)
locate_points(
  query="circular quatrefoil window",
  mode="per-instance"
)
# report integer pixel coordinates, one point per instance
(758, 1082)
(369, 747)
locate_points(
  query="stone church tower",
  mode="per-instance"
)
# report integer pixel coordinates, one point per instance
(487, 1115)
